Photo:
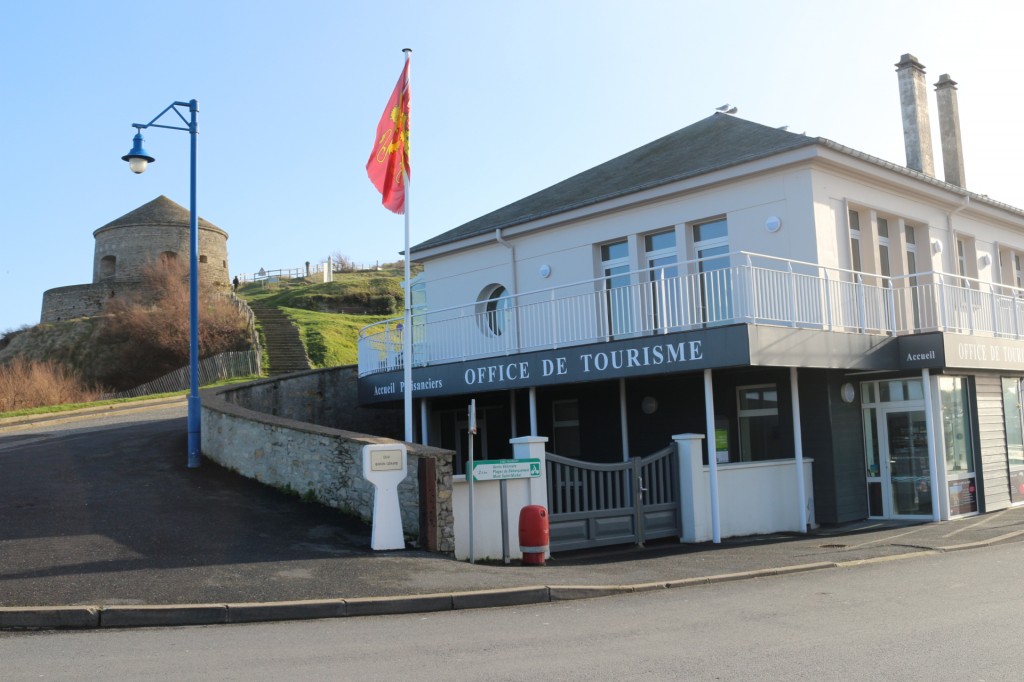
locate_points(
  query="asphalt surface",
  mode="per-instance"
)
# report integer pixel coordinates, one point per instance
(103, 525)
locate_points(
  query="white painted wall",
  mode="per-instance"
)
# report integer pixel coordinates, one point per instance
(761, 497)
(895, 196)
(569, 247)
(487, 506)
(754, 498)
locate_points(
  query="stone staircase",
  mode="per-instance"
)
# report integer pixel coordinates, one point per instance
(285, 352)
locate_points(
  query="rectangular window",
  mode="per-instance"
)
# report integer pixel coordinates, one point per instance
(711, 249)
(855, 240)
(912, 271)
(758, 417)
(663, 271)
(1014, 437)
(883, 247)
(1018, 276)
(899, 390)
(615, 268)
(956, 425)
(961, 260)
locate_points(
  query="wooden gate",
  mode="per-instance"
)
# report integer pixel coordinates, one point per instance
(591, 504)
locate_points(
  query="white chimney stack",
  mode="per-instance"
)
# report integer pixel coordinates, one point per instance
(949, 131)
(917, 130)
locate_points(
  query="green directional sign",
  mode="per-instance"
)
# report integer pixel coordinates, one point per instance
(505, 469)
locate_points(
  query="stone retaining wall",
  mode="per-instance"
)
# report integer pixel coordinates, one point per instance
(271, 431)
(85, 300)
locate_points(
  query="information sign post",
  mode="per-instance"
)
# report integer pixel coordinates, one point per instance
(503, 470)
(385, 466)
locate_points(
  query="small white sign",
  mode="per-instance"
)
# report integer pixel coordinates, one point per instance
(387, 460)
(505, 469)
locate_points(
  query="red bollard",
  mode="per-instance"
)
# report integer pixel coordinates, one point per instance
(533, 534)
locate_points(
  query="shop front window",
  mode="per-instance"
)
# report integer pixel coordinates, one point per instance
(959, 445)
(1014, 437)
(758, 417)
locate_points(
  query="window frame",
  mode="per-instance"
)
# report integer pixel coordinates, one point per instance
(744, 448)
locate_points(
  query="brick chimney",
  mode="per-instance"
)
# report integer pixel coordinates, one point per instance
(917, 130)
(949, 131)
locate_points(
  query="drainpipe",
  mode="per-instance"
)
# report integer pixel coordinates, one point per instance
(515, 286)
(952, 235)
(512, 254)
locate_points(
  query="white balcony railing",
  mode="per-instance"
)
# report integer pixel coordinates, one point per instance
(739, 287)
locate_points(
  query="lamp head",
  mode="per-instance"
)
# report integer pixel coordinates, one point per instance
(138, 158)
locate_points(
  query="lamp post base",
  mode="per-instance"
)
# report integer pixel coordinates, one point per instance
(195, 450)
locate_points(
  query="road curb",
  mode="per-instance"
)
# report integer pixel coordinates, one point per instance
(164, 615)
(88, 412)
(981, 543)
(886, 559)
(512, 596)
(260, 612)
(49, 617)
(569, 592)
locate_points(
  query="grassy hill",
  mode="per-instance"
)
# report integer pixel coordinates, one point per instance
(329, 315)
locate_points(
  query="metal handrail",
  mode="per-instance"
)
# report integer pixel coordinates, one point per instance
(751, 288)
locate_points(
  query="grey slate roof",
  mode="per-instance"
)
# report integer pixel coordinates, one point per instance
(160, 211)
(716, 142)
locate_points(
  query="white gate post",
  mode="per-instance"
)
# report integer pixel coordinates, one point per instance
(694, 505)
(532, 447)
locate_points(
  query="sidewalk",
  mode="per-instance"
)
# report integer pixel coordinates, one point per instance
(106, 527)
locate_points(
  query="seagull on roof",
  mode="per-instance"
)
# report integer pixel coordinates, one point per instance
(723, 107)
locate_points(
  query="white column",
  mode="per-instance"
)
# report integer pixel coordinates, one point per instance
(623, 421)
(933, 463)
(424, 421)
(693, 490)
(798, 446)
(532, 447)
(709, 408)
(533, 410)
(512, 411)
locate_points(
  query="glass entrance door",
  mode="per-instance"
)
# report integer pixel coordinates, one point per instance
(906, 473)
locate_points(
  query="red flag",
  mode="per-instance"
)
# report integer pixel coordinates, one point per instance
(390, 155)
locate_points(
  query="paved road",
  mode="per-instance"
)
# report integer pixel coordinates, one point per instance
(933, 617)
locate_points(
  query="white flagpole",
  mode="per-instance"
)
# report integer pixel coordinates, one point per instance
(407, 326)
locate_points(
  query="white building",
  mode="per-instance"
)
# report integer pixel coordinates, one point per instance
(799, 299)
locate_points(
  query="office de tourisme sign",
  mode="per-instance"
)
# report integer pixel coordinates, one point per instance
(679, 352)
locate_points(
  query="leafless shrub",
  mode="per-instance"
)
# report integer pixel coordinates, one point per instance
(25, 384)
(157, 325)
(342, 263)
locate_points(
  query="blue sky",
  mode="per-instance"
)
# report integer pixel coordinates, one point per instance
(508, 98)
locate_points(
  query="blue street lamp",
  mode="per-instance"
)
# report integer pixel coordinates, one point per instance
(137, 160)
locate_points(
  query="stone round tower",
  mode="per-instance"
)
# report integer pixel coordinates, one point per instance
(157, 230)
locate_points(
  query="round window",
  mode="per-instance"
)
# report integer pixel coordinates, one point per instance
(496, 310)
